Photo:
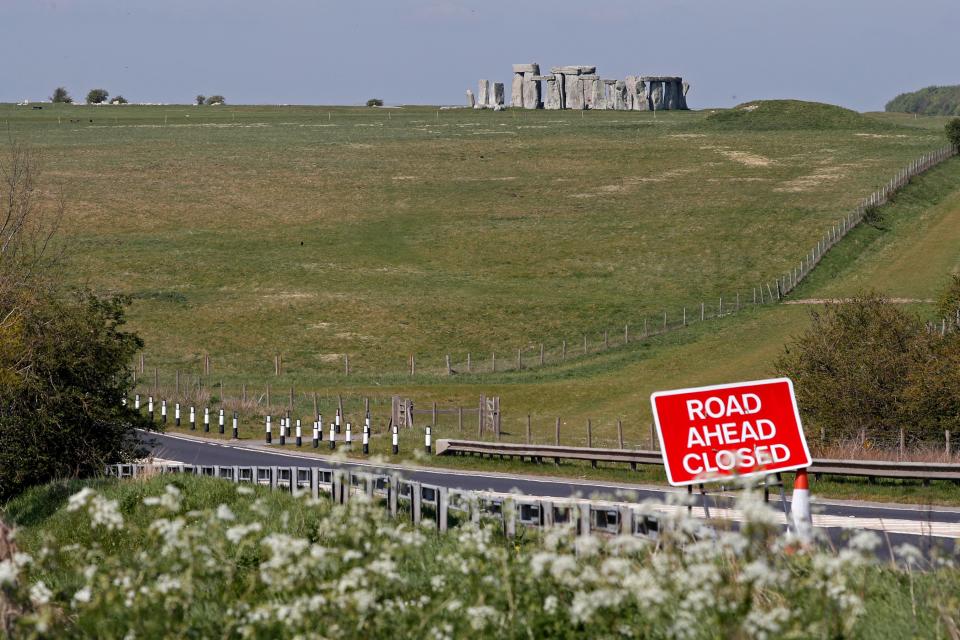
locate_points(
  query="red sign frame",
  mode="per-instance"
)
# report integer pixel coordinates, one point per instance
(715, 433)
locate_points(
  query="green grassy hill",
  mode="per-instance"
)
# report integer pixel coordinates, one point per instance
(243, 232)
(929, 101)
(788, 115)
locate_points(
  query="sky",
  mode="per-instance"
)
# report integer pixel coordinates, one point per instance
(856, 53)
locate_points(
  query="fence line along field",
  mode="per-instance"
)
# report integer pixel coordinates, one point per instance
(317, 232)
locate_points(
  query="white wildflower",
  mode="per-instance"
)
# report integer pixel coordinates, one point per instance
(82, 596)
(244, 490)
(437, 583)
(239, 532)
(79, 500)
(224, 513)
(481, 617)
(8, 572)
(908, 553)
(864, 540)
(105, 513)
(40, 594)
(550, 604)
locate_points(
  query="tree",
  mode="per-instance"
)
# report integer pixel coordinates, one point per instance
(212, 100)
(200, 99)
(97, 96)
(118, 100)
(63, 354)
(949, 302)
(60, 95)
(953, 131)
(374, 102)
(865, 368)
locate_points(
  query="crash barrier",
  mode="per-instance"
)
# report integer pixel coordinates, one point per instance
(446, 506)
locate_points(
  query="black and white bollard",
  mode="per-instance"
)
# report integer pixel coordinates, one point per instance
(396, 440)
(333, 436)
(269, 434)
(176, 414)
(150, 407)
(136, 402)
(206, 419)
(427, 444)
(347, 437)
(193, 418)
(163, 411)
(221, 422)
(366, 437)
(236, 427)
(337, 419)
(316, 435)
(299, 434)
(283, 431)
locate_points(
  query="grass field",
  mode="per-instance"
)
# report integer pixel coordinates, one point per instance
(316, 232)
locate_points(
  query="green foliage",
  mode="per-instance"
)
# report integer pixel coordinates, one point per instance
(948, 304)
(930, 101)
(777, 115)
(865, 368)
(118, 100)
(374, 102)
(60, 402)
(212, 100)
(97, 96)
(187, 556)
(952, 130)
(200, 99)
(60, 95)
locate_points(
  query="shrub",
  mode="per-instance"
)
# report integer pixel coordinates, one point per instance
(953, 131)
(374, 102)
(60, 95)
(214, 100)
(118, 100)
(949, 302)
(200, 99)
(865, 368)
(97, 96)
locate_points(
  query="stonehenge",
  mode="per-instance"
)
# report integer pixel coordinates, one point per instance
(579, 87)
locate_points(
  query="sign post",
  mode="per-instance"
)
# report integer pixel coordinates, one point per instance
(716, 433)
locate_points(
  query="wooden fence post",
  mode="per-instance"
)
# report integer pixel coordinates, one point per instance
(468, 362)
(557, 433)
(946, 435)
(519, 359)
(449, 371)
(346, 364)
(268, 396)
(653, 438)
(901, 443)
(589, 433)
(626, 333)
(620, 432)
(460, 419)
(528, 428)
(434, 414)
(541, 354)
(563, 351)
(493, 362)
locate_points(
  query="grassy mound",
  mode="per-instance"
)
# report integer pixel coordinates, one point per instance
(773, 115)
(929, 101)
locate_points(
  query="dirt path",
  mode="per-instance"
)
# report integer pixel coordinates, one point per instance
(826, 300)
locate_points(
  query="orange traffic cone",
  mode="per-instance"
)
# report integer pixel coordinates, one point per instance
(800, 505)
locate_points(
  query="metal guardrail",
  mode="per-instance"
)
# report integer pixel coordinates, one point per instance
(448, 506)
(925, 471)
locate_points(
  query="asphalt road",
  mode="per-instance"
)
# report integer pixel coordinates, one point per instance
(940, 525)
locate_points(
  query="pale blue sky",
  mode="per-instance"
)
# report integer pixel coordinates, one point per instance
(858, 53)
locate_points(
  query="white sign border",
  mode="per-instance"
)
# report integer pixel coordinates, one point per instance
(718, 387)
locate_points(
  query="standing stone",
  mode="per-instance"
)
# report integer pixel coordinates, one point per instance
(516, 91)
(620, 95)
(609, 90)
(552, 100)
(656, 95)
(573, 92)
(531, 91)
(561, 82)
(497, 97)
(668, 95)
(599, 95)
(683, 96)
(483, 94)
(587, 84)
(630, 102)
(642, 101)
(471, 100)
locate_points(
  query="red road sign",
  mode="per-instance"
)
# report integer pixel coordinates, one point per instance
(742, 429)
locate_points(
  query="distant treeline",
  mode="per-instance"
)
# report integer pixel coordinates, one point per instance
(931, 101)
